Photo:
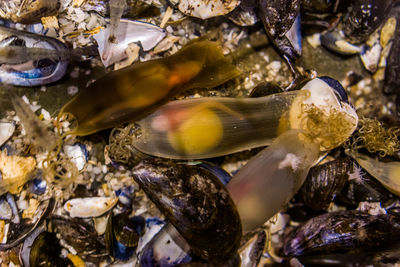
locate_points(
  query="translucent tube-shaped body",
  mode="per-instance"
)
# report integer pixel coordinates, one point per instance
(272, 177)
(388, 173)
(210, 127)
(133, 92)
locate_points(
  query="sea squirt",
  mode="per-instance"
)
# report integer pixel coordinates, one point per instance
(132, 93)
(210, 127)
(269, 180)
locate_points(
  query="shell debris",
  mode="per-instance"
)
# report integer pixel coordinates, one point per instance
(15, 171)
(89, 207)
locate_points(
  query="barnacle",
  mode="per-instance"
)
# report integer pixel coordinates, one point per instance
(372, 135)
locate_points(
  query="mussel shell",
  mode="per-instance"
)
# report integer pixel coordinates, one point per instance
(367, 189)
(320, 6)
(80, 235)
(18, 232)
(46, 251)
(365, 17)
(167, 248)
(343, 231)
(196, 203)
(323, 182)
(245, 14)
(278, 16)
(45, 70)
(122, 235)
(252, 248)
(392, 81)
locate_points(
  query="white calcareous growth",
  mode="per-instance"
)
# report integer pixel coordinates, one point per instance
(89, 207)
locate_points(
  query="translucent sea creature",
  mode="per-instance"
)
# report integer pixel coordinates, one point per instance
(36, 129)
(270, 179)
(210, 127)
(132, 93)
(388, 173)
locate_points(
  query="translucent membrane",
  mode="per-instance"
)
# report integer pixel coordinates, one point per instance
(388, 173)
(210, 127)
(133, 92)
(263, 186)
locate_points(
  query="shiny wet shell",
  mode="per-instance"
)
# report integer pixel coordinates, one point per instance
(196, 203)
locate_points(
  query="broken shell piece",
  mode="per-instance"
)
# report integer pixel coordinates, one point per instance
(205, 9)
(78, 154)
(166, 44)
(15, 171)
(6, 131)
(5, 210)
(132, 53)
(4, 227)
(128, 31)
(89, 207)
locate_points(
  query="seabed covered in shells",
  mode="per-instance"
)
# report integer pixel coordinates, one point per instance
(96, 200)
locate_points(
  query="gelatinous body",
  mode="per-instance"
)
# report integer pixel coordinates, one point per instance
(131, 93)
(210, 127)
(388, 173)
(28, 59)
(36, 129)
(270, 179)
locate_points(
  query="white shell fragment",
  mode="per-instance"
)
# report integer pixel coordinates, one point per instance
(205, 9)
(6, 131)
(77, 155)
(89, 207)
(128, 31)
(370, 57)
